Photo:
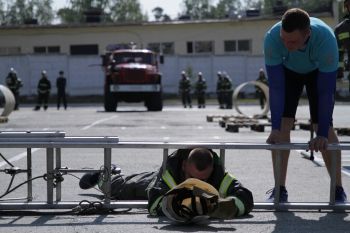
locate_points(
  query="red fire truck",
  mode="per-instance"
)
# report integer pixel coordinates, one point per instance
(131, 75)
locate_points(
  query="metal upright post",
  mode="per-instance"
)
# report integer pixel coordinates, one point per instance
(29, 175)
(277, 171)
(107, 165)
(49, 172)
(222, 157)
(58, 166)
(333, 175)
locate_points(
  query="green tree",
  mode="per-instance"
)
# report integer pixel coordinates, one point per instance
(225, 7)
(19, 11)
(159, 15)
(198, 9)
(127, 11)
(76, 12)
(2, 13)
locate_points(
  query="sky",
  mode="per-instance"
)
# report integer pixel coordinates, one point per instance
(170, 7)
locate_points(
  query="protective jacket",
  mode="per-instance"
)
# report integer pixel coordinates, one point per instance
(224, 182)
(185, 85)
(342, 33)
(44, 86)
(201, 87)
(13, 82)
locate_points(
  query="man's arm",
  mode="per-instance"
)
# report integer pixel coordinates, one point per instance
(276, 80)
(276, 77)
(326, 87)
(156, 190)
(242, 196)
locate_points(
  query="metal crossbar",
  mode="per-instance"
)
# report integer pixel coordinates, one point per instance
(54, 144)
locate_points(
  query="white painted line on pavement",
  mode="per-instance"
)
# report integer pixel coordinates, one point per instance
(18, 157)
(21, 155)
(98, 122)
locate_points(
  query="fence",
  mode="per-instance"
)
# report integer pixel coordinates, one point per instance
(53, 142)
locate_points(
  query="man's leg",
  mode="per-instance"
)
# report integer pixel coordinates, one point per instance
(286, 126)
(332, 138)
(132, 187)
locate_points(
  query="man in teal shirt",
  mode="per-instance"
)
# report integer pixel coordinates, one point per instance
(302, 51)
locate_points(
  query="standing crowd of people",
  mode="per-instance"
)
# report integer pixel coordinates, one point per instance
(14, 83)
(224, 90)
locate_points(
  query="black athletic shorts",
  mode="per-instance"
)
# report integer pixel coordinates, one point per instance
(294, 85)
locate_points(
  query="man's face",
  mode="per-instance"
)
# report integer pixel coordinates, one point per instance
(347, 6)
(191, 171)
(294, 40)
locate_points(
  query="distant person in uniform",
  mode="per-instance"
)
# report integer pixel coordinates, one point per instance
(220, 90)
(262, 78)
(14, 84)
(342, 33)
(44, 88)
(185, 90)
(228, 91)
(200, 88)
(61, 83)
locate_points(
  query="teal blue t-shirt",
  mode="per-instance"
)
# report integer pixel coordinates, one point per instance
(321, 51)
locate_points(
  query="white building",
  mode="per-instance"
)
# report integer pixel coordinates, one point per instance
(231, 45)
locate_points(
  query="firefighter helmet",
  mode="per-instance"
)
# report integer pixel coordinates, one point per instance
(190, 199)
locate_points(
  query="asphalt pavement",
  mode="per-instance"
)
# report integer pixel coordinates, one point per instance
(307, 181)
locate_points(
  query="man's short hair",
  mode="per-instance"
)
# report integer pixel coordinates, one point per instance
(201, 157)
(295, 19)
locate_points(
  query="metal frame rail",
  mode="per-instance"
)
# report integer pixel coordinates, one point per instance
(54, 144)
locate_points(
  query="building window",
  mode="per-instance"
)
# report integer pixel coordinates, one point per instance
(53, 49)
(84, 49)
(164, 48)
(190, 47)
(46, 49)
(10, 50)
(200, 47)
(230, 46)
(240, 46)
(168, 48)
(244, 46)
(204, 46)
(39, 49)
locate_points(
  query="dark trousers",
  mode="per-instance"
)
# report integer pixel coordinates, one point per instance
(221, 99)
(201, 100)
(228, 99)
(16, 95)
(132, 187)
(186, 99)
(43, 99)
(61, 95)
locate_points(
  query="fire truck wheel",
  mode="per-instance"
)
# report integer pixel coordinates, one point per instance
(155, 102)
(110, 102)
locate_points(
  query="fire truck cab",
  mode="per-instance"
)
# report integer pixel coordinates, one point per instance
(131, 75)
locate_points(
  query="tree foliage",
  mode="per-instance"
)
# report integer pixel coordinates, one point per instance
(14, 12)
(204, 9)
(126, 11)
(159, 15)
(112, 10)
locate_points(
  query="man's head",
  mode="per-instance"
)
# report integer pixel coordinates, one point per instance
(295, 29)
(183, 74)
(261, 71)
(347, 6)
(199, 164)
